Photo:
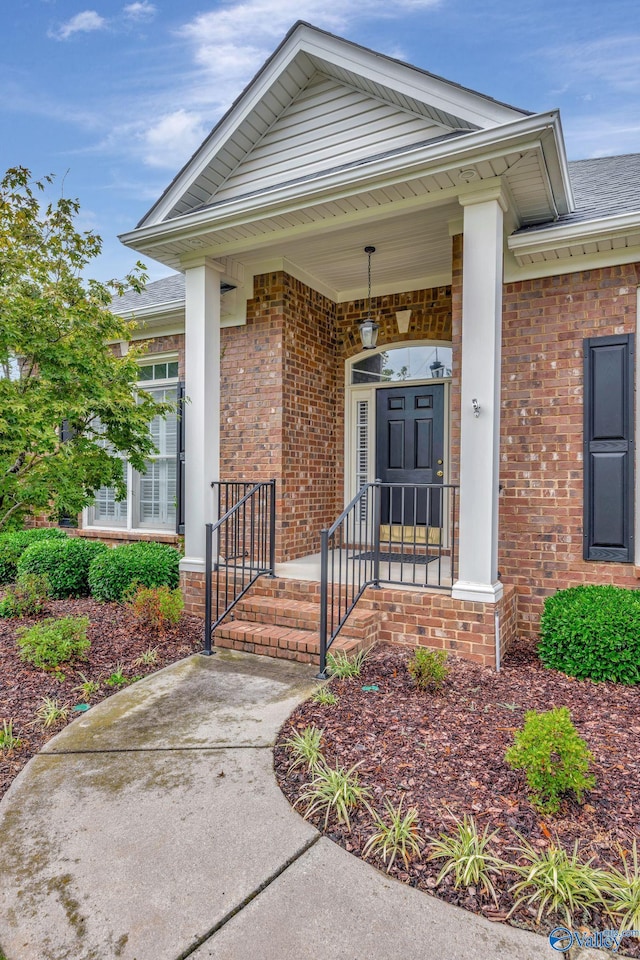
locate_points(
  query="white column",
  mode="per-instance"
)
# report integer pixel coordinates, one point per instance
(480, 428)
(202, 412)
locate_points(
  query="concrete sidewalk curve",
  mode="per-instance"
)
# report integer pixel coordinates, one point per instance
(152, 828)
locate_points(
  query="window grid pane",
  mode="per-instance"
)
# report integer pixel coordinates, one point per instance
(107, 509)
(157, 492)
(156, 497)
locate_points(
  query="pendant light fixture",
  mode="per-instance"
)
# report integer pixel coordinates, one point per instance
(368, 327)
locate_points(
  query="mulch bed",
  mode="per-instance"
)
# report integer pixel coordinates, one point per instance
(117, 638)
(444, 755)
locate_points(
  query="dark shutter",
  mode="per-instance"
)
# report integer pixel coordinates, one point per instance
(608, 448)
(180, 462)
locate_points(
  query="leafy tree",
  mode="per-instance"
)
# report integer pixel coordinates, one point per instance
(58, 364)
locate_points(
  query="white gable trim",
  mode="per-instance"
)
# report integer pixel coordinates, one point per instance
(307, 50)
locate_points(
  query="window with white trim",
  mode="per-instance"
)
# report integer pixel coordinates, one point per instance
(151, 496)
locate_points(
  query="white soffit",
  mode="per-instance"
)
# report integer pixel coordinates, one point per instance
(423, 177)
(563, 243)
(428, 106)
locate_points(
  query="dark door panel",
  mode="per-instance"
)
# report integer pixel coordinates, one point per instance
(410, 450)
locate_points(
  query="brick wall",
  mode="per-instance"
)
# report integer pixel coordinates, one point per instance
(117, 538)
(438, 621)
(251, 388)
(544, 324)
(311, 459)
(278, 397)
(283, 394)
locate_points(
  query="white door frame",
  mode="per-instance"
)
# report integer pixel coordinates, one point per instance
(355, 393)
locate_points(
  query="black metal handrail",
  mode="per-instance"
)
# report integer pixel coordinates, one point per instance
(243, 542)
(392, 533)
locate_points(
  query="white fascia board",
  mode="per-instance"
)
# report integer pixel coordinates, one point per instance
(522, 134)
(586, 231)
(152, 332)
(557, 167)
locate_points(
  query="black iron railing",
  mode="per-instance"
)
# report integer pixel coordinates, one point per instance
(240, 547)
(390, 533)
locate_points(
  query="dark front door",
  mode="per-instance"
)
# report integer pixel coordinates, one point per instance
(410, 450)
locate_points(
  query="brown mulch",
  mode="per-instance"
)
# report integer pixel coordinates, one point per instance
(444, 755)
(117, 638)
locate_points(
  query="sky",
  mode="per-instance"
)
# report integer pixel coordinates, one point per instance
(113, 97)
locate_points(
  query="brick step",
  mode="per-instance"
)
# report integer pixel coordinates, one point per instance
(274, 641)
(286, 589)
(302, 615)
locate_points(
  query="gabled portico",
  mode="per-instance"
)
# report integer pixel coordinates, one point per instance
(332, 148)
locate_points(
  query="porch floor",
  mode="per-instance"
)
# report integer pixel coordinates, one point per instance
(436, 573)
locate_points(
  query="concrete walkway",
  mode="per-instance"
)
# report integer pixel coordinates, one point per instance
(152, 828)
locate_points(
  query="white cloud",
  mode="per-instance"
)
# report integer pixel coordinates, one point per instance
(172, 139)
(141, 10)
(614, 62)
(605, 135)
(171, 112)
(224, 39)
(227, 53)
(86, 22)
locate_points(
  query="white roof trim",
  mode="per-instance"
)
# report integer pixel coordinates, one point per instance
(312, 49)
(536, 132)
(548, 241)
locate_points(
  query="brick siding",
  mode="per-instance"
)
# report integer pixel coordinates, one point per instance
(283, 416)
(544, 324)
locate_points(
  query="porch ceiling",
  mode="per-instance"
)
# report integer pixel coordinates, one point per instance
(413, 251)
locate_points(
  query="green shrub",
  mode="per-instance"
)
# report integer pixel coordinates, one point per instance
(592, 632)
(428, 668)
(554, 758)
(147, 564)
(13, 545)
(54, 641)
(26, 597)
(64, 562)
(155, 607)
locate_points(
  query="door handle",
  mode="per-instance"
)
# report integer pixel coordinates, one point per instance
(440, 473)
